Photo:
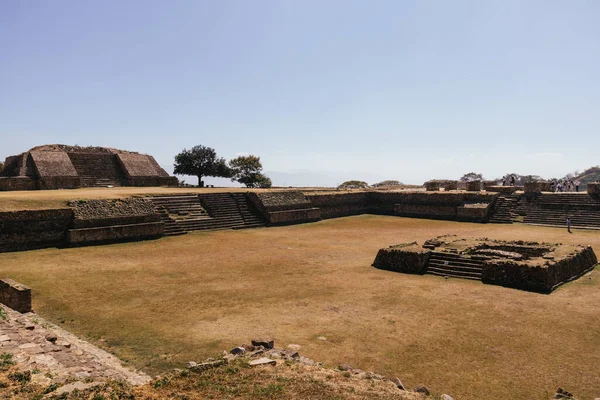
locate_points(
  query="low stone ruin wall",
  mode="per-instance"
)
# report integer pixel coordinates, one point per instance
(17, 183)
(503, 189)
(15, 295)
(170, 181)
(35, 229)
(425, 211)
(115, 234)
(537, 187)
(115, 220)
(290, 217)
(285, 207)
(539, 278)
(408, 258)
(284, 200)
(593, 188)
(340, 204)
(474, 186)
(59, 182)
(439, 205)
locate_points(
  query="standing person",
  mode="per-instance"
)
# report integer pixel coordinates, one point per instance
(512, 180)
(569, 225)
(503, 181)
(577, 183)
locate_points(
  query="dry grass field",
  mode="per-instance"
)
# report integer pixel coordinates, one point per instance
(159, 304)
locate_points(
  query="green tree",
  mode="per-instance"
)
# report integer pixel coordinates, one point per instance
(471, 176)
(201, 161)
(353, 185)
(248, 171)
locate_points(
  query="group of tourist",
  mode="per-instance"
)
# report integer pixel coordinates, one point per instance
(567, 185)
(512, 180)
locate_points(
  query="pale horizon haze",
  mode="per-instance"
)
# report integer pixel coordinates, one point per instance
(322, 91)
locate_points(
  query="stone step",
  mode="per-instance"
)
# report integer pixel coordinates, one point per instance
(453, 274)
(455, 267)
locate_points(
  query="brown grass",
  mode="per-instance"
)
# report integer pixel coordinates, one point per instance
(159, 304)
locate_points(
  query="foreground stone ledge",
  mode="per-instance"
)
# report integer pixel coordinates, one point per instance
(15, 295)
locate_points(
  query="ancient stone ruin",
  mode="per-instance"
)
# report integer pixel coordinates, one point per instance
(69, 167)
(532, 266)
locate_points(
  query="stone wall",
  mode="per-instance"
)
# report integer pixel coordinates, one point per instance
(114, 220)
(285, 207)
(59, 182)
(474, 186)
(17, 183)
(408, 258)
(36, 229)
(593, 188)
(169, 181)
(284, 200)
(537, 187)
(15, 295)
(503, 189)
(539, 278)
(289, 217)
(53, 163)
(427, 205)
(340, 204)
(115, 233)
(425, 211)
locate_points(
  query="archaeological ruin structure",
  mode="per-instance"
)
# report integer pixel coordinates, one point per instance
(532, 266)
(69, 167)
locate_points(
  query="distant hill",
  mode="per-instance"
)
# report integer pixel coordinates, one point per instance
(589, 175)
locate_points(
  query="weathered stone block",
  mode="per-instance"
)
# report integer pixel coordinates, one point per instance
(117, 233)
(593, 188)
(15, 295)
(407, 257)
(538, 187)
(474, 186)
(294, 216)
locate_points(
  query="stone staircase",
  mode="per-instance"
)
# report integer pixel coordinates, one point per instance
(252, 218)
(454, 265)
(215, 211)
(554, 208)
(504, 209)
(97, 170)
(179, 213)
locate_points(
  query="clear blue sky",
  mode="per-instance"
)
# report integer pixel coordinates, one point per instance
(321, 90)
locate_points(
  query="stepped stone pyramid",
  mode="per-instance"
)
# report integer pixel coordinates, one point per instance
(68, 167)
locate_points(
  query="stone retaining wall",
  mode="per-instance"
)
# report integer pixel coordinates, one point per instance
(15, 295)
(474, 186)
(289, 217)
(537, 187)
(340, 204)
(36, 229)
(539, 278)
(17, 183)
(115, 233)
(408, 258)
(593, 188)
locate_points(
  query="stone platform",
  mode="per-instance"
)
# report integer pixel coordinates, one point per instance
(531, 266)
